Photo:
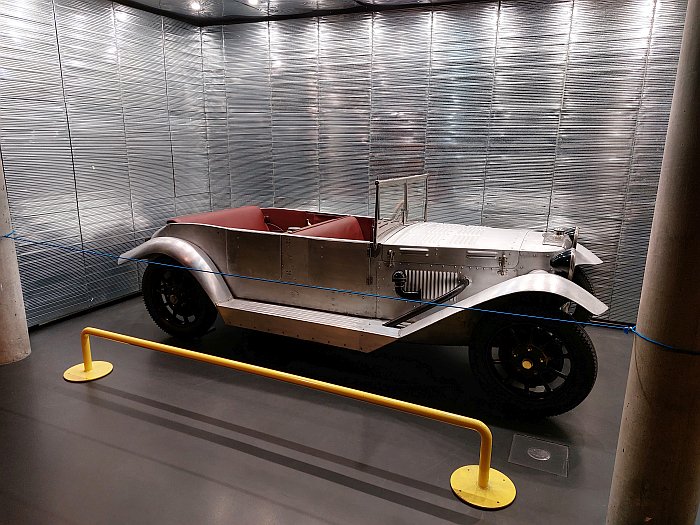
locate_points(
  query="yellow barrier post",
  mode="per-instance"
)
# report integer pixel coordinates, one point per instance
(88, 370)
(479, 485)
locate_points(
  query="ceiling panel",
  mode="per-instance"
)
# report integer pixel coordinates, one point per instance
(206, 12)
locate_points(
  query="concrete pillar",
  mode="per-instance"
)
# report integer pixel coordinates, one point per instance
(657, 468)
(14, 339)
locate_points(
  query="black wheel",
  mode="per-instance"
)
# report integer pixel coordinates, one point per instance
(175, 301)
(577, 312)
(533, 366)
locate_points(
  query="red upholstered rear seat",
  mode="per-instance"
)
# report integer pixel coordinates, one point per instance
(245, 218)
(341, 228)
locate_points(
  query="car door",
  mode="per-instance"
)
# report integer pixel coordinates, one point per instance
(323, 266)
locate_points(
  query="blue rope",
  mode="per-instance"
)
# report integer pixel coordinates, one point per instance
(626, 329)
(663, 346)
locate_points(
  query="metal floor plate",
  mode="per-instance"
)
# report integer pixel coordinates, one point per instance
(540, 455)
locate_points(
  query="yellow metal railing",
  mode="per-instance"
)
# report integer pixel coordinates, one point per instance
(481, 486)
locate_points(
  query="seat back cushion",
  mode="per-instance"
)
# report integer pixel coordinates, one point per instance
(244, 218)
(341, 228)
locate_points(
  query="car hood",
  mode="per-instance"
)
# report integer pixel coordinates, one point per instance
(440, 235)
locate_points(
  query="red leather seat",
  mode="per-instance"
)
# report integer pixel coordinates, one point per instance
(341, 228)
(245, 218)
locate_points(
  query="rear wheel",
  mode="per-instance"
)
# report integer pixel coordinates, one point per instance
(533, 366)
(175, 301)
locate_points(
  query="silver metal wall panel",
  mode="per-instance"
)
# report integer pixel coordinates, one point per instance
(146, 119)
(459, 108)
(645, 165)
(89, 63)
(344, 78)
(216, 116)
(606, 64)
(247, 69)
(294, 98)
(532, 114)
(400, 80)
(527, 114)
(35, 145)
(88, 141)
(188, 132)
(530, 70)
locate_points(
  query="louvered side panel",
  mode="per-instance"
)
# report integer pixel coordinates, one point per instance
(432, 284)
(38, 166)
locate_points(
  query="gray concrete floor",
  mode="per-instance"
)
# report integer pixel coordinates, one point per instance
(167, 440)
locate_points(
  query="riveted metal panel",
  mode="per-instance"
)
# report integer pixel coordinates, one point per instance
(328, 263)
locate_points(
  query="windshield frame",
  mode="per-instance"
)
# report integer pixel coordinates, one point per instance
(398, 181)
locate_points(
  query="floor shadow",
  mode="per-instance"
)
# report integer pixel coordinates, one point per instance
(439, 377)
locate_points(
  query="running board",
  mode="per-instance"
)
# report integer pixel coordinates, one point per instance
(357, 333)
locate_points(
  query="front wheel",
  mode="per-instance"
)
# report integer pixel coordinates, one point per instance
(175, 301)
(535, 367)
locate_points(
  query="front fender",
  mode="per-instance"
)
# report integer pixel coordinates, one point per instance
(538, 281)
(541, 282)
(189, 255)
(586, 256)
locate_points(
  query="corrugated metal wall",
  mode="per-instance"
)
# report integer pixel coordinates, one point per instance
(528, 114)
(103, 134)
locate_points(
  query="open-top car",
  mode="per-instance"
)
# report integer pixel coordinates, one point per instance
(363, 282)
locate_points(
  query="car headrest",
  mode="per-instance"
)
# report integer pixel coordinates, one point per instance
(341, 228)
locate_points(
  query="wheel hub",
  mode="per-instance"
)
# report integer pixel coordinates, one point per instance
(527, 363)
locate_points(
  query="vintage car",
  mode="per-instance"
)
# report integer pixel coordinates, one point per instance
(363, 282)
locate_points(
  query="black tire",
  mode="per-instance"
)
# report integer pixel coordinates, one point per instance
(175, 301)
(533, 367)
(577, 312)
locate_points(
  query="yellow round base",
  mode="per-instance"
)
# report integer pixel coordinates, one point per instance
(465, 484)
(77, 373)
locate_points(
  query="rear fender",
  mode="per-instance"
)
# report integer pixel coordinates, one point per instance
(189, 255)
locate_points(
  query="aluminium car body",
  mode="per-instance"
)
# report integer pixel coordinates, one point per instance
(363, 282)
